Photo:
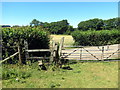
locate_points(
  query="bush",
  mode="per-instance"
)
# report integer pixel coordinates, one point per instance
(96, 38)
(37, 38)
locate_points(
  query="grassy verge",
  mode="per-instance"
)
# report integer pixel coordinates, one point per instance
(82, 75)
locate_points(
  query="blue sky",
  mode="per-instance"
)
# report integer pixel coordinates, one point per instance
(22, 13)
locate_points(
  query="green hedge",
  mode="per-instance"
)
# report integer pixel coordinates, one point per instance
(96, 38)
(37, 38)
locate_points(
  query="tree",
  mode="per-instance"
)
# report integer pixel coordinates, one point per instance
(111, 23)
(92, 24)
(58, 27)
(35, 23)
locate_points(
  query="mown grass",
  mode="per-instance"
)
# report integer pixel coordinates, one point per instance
(83, 75)
(68, 39)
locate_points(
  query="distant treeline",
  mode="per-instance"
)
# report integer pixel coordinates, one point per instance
(63, 27)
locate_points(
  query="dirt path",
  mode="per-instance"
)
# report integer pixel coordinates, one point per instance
(92, 53)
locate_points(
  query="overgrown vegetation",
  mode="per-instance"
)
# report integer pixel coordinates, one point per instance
(96, 38)
(12, 37)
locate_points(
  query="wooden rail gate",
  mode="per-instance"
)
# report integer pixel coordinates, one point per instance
(59, 52)
(91, 52)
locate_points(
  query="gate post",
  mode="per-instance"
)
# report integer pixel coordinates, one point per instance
(26, 52)
(61, 46)
(52, 52)
(81, 54)
(19, 51)
(102, 56)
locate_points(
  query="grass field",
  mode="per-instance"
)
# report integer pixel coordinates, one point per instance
(83, 75)
(68, 39)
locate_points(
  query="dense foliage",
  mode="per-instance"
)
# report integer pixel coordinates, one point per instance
(99, 24)
(59, 27)
(37, 38)
(95, 38)
(63, 27)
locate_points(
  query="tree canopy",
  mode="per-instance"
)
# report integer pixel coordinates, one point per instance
(59, 27)
(63, 27)
(99, 24)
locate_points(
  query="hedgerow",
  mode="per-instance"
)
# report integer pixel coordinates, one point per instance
(37, 38)
(96, 38)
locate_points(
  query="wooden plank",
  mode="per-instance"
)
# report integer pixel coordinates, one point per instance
(77, 48)
(86, 53)
(91, 54)
(9, 57)
(113, 54)
(39, 50)
(39, 58)
(73, 46)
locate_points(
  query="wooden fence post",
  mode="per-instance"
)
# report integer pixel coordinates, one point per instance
(102, 56)
(61, 46)
(26, 52)
(56, 54)
(52, 51)
(81, 53)
(19, 51)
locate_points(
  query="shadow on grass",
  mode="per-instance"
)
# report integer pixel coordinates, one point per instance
(67, 68)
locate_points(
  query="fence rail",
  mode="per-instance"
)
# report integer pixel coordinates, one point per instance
(59, 52)
(9, 57)
(39, 50)
(90, 52)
